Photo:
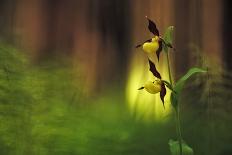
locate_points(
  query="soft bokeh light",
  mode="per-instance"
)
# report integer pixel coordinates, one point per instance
(69, 75)
(143, 105)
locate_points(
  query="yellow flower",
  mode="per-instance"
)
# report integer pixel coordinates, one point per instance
(153, 46)
(156, 86)
(153, 87)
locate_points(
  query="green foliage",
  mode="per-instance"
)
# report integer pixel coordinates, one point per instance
(27, 94)
(175, 149)
(174, 99)
(42, 112)
(15, 102)
(168, 38)
(180, 83)
(164, 44)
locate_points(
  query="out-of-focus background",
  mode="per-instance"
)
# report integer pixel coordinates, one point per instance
(69, 74)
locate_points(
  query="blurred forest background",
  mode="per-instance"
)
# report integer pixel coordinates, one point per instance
(69, 74)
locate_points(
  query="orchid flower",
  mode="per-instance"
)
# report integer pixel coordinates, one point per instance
(157, 86)
(155, 43)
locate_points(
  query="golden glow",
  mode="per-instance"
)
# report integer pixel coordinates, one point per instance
(142, 104)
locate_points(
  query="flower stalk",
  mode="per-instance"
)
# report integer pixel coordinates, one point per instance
(156, 45)
(177, 111)
(177, 108)
(169, 69)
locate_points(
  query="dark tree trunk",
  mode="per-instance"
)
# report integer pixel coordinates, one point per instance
(227, 34)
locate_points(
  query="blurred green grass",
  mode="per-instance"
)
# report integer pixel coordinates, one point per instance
(42, 112)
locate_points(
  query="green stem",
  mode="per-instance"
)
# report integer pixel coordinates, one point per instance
(178, 130)
(177, 109)
(169, 69)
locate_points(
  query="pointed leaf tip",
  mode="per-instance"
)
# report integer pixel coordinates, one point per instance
(153, 69)
(168, 35)
(180, 83)
(168, 38)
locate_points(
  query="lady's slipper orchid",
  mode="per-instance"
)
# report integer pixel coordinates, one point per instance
(154, 44)
(150, 47)
(157, 86)
(152, 87)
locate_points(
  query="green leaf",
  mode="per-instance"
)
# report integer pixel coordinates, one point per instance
(180, 83)
(175, 149)
(168, 38)
(168, 35)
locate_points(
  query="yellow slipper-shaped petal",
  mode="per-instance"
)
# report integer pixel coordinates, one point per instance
(153, 46)
(153, 87)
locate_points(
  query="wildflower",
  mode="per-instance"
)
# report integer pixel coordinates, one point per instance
(152, 87)
(157, 86)
(154, 44)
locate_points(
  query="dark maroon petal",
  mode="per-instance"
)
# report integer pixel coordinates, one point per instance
(137, 46)
(162, 92)
(152, 27)
(147, 41)
(159, 49)
(153, 69)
